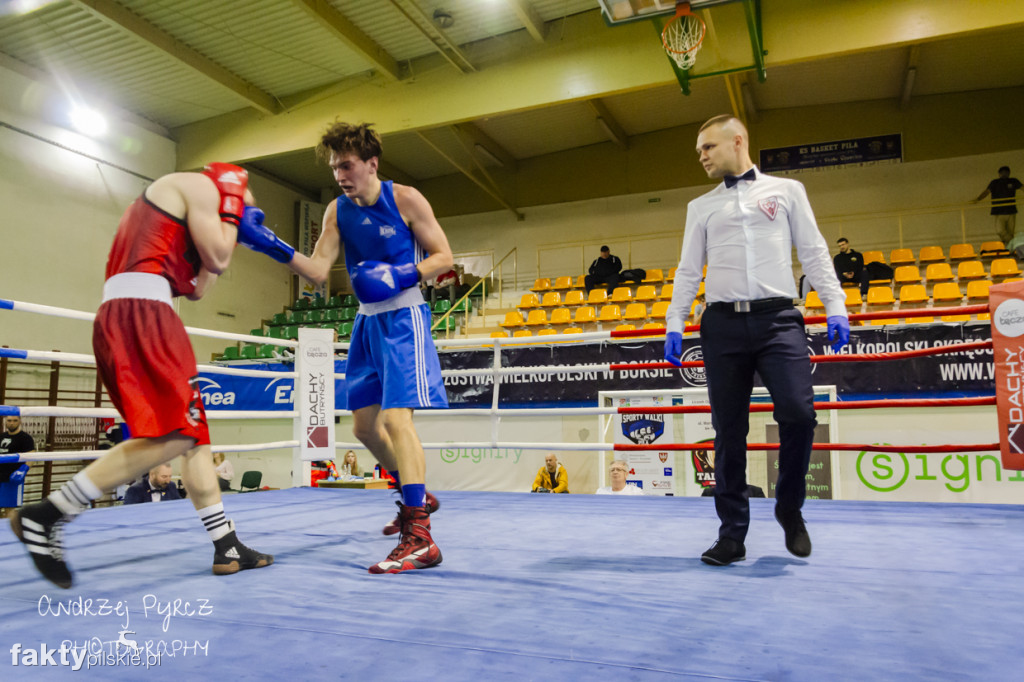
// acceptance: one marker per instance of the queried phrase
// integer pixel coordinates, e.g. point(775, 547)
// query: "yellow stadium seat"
point(562, 283)
point(813, 301)
point(621, 295)
point(901, 257)
point(537, 318)
point(873, 257)
point(994, 246)
point(659, 309)
point(666, 292)
point(584, 315)
point(522, 332)
point(653, 325)
point(610, 313)
point(541, 284)
point(700, 289)
point(1003, 269)
point(561, 316)
point(970, 269)
point(853, 299)
point(907, 274)
point(654, 275)
point(597, 297)
point(670, 275)
point(513, 318)
point(573, 330)
point(552, 299)
point(546, 332)
point(635, 311)
point(625, 328)
point(959, 252)
point(499, 335)
point(938, 272)
point(911, 296)
point(581, 282)
point(947, 294)
point(529, 301)
point(880, 296)
point(647, 292)
point(977, 291)
point(931, 254)
point(573, 298)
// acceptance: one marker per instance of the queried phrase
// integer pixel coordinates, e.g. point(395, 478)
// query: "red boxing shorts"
point(147, 365)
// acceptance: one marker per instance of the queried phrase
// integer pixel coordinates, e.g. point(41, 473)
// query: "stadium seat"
point(513, 318)
point(993, 248)
point(854, 300)
point(625, 328)
point(573, 298)
point(561, 316)
point(572, 330)
point(541, 284)
point(250, 351)
point(813, 302)
point(654, 275)
point(1003, 269)
point(537, 318)
point(666, 292)
point(647, 292)
point(635, 311)
point(907, 274)
point(521, 332)
point(279, 319)
point(349, 313)
point(959, 252)
point(334, 302)
point(499, 335)
point(931, 254)
point(315, 316)
point(610, 313)
point(581, 282)
point(880, 298)
point(977, 291)
point(899, 257)
point(597, 297)
point(301, 304)
point(562, 283)
point(584, 315)
point(230, 353)
point(529, 301)
point(670, 276)
point(947, 294)
point(345, 330)
point(970, 269)
point(552, 299)
point(873, 257)
point(256, 332)
point(349, 300)
point(659, 309)
point(938, 272)
point(913, 296)
point(546, 332)
point(653, 325)
point(621, 295)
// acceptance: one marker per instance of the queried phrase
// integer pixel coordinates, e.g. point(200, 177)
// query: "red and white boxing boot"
point(416, 548)
point(395, 525)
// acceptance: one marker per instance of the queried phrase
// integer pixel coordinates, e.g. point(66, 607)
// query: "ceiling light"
point(443, 18)
point(88, 121)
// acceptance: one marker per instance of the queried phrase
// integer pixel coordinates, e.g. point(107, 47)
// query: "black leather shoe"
point(798, 542)
point(723, 552)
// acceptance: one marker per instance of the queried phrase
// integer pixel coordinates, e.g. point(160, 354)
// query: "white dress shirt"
point(746, 234)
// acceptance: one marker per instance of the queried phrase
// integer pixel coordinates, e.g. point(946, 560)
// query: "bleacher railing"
point(462, 305)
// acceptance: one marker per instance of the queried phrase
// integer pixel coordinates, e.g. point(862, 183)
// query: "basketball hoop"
point(682, 36)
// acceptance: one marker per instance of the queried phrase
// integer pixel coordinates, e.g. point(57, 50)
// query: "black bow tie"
point(731, 180)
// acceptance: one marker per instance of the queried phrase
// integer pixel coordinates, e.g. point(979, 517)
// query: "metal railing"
point(463, 305)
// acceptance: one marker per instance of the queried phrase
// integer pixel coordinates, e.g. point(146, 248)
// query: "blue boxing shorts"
point(392, 361)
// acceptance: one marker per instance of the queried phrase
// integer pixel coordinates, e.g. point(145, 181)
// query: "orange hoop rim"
point(683, 10)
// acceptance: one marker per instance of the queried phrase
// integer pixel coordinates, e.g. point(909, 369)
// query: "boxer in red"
point(174, 240)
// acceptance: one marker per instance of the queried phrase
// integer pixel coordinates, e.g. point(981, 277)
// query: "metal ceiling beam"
point(391, 172)
point(440, 41)
point(471, 132)
point(340, 26)
point(486, 187)
point(607, 121)
point(120, 17)
point(909, 76)
point(528, 14)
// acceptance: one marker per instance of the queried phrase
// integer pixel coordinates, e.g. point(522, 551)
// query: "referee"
point(745, 230)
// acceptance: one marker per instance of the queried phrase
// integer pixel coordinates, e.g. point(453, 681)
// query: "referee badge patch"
point(770, 206)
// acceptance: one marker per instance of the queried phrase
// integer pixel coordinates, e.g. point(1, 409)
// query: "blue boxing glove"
point(673, 348)
point(375, 281)
point(838, 331)
point(253, 234)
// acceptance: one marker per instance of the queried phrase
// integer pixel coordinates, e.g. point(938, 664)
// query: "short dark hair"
point(1004, 168)
point(605, 249)
point(842, 239)
point(346, 138)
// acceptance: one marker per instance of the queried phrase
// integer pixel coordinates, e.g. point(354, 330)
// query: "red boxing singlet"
point(150, 240)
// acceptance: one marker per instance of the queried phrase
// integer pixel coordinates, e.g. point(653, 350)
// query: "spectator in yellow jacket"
point(552, 477)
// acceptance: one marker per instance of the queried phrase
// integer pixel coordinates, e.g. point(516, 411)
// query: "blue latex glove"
point(838, 331)
point(375, 281)
point(252, 233)
point(673, 348)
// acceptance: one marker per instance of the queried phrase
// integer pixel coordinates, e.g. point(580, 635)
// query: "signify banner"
point(856, 152)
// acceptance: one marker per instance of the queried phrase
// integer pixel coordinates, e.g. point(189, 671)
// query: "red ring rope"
point(847, 447)
point(848, 405)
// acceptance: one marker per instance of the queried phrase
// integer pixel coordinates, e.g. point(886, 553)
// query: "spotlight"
point(88, 121)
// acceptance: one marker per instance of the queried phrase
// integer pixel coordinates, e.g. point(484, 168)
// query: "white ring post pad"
point(1006, 305)
point(314, 394)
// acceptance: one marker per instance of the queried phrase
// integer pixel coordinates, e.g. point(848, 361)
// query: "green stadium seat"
point(349, 301)
point(230, 353)
point(315, 316)
point(334, 302)
point(301, 304)
point(319, 303)
point(442, 306)
point(256, 332)
point(349, 313)
point(267, 351)
point(332, 315)
point(275, 332)
point(279, 319)
point(345, 330)
point(249, 351)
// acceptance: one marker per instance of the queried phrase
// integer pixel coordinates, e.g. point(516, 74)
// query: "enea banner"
point(229, 392)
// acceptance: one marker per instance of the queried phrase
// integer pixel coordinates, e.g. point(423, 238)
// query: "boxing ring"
point(532, 586)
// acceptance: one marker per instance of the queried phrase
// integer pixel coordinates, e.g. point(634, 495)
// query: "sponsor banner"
point(311, 220)
point(1006, 301)
point(963, 372)
point(228, 392)
point(651, 471)
point(314, 388)
point(835, 154)
point(820, 484)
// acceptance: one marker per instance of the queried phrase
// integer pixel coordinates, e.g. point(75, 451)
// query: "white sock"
point(75, 495)
point(216, 524)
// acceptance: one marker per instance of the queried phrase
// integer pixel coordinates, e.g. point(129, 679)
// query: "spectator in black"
point(13, 441)
point(154, 487)
point(604, 270)
point(849, 266)
point(1004, 203)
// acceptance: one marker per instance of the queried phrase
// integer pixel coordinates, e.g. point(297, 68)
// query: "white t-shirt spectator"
point(630, 489)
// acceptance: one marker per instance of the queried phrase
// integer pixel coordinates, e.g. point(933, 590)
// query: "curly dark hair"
point(346, 138)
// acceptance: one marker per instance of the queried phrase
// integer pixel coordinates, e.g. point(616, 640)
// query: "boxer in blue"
point(392, 241)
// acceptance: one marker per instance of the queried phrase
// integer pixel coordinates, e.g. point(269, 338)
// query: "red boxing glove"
point(231, 182)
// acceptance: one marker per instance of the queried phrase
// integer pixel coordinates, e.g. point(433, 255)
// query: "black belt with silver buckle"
point(759, 306)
